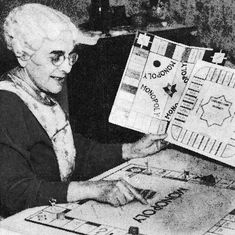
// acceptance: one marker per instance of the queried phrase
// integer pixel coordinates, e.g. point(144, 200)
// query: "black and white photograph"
point(117, 117)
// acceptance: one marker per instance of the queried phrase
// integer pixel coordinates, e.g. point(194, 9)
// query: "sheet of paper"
point(204, 119)
point(155, 76)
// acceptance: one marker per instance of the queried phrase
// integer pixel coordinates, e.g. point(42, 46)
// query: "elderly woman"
point(40, 159)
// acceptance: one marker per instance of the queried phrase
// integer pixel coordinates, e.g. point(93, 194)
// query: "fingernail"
point(144, 201)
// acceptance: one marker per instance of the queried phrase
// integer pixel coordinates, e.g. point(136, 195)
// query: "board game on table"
point(180, 202)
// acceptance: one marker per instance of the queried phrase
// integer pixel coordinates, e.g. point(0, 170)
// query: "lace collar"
point(18, 75)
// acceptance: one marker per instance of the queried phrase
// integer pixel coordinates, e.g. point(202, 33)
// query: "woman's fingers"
point(125, 194)
point(152, 149)
point(148, 140)
point(134, 192)
point(118, 193)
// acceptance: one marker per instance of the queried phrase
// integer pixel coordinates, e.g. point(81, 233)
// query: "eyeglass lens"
point(59, 60)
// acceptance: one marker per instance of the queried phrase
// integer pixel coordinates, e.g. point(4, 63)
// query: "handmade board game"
point(154, 79)
point(204, 119)
point(179, 202)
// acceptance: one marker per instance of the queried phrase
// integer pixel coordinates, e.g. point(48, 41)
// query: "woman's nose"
point(65, 66)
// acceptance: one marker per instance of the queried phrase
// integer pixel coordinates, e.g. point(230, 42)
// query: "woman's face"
point(42, 68)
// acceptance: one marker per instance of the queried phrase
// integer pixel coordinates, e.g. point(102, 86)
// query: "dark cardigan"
point(29, 173)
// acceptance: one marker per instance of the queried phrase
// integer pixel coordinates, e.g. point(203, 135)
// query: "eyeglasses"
point(58, 59)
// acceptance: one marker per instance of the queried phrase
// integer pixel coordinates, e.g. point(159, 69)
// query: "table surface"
point(172, 159)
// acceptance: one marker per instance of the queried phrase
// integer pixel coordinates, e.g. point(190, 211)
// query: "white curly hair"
point(28, 25)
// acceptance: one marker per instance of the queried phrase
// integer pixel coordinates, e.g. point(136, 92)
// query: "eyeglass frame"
point(64, 58)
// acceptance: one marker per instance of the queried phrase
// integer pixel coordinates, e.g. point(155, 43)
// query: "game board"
point(226, 226)
point(179, 203)
point(204, 119)
point(155, 76)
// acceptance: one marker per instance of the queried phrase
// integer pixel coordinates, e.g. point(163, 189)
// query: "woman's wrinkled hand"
point(116, 192)
point(147, 145)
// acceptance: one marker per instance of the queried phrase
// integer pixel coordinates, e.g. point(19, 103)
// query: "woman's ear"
point(23, 59)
